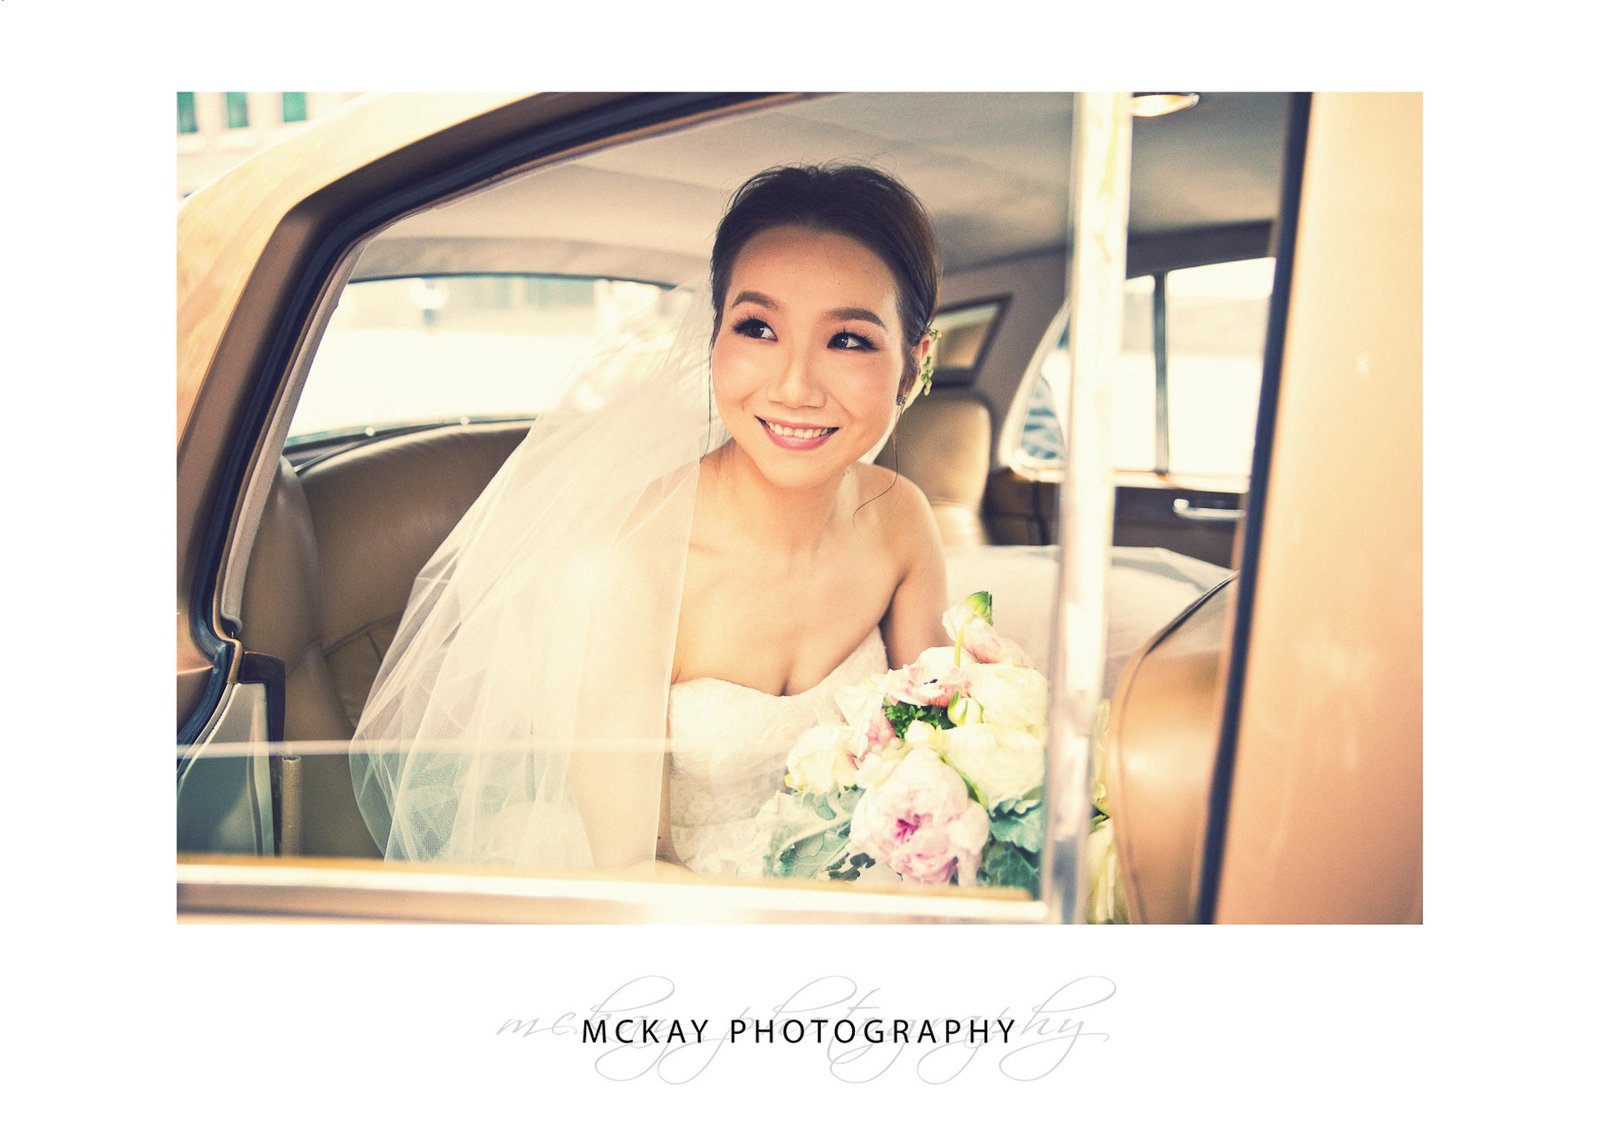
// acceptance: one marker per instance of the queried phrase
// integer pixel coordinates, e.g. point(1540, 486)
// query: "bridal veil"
point(519, 715)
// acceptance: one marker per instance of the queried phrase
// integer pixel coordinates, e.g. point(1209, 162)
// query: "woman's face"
point(809, 355)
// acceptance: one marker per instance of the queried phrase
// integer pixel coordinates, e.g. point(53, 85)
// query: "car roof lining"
point(991, 167)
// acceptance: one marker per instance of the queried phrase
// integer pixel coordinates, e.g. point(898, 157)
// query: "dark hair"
point(858, 202)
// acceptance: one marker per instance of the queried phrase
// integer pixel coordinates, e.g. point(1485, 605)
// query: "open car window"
point(454, 348)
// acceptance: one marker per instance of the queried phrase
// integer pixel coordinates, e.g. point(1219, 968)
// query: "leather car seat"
point(942, 445)
point(380, 512)
point(334, 559)
point(281, 615)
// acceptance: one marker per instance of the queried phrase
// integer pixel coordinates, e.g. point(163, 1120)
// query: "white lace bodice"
point(730, 745)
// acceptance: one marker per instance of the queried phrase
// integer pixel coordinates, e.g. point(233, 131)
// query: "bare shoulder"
point(897, 509)
point(902, 517)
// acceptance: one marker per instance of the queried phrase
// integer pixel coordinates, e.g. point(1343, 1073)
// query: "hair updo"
point(861, 203)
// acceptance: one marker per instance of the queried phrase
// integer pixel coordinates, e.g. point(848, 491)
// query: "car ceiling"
point(992, 168)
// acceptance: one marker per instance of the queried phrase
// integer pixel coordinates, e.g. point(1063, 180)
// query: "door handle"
point(1185, 510)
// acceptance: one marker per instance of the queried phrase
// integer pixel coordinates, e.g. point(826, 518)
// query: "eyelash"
point(866, 343)
point(753, 327)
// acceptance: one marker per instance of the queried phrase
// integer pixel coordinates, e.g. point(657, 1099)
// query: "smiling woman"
point(771, 565)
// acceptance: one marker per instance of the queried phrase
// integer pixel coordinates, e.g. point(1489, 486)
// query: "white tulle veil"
point(519, 715)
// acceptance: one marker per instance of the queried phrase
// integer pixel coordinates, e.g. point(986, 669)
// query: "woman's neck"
point(789, 522)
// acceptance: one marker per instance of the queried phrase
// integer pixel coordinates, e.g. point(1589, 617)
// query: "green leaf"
point(902, 714)
point(1023, 830)
point(849, 866)
point(1006, 866)
point(1020, 805)
point(811, 833)
point(843, 802)
point(810, 857)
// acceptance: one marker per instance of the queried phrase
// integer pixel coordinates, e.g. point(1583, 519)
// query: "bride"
point(714, 557)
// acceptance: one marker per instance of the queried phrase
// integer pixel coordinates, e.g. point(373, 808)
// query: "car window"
point(1215, 333)
point(964, 334)
point(455, 348)
point(1133, 391)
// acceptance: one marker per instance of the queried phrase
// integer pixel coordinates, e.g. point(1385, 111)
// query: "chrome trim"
point(1184, 510)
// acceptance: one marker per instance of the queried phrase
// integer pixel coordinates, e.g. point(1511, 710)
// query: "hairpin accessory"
point(925, 370)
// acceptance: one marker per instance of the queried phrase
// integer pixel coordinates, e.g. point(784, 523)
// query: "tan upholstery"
point(942, 445)
point(1019, 510)
point(330, 572)
point(379, 513)
point(280, 613)
point(1161, 752)
point(281, 616)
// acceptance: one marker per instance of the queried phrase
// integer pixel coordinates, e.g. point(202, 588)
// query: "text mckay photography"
point(853, 1032)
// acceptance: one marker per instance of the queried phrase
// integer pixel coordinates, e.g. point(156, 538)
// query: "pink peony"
point(932, 680)
point(876, 736)
point(920, 822)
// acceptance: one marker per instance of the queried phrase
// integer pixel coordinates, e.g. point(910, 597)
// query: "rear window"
point(1202, 409)
point(456, 348)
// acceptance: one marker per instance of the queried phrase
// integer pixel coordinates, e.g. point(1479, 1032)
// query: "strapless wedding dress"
point(730, 745)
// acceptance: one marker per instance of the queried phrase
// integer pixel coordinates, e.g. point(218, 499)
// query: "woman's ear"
point(914, 377)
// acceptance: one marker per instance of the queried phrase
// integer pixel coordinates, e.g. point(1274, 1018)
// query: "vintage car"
point(1175, 427)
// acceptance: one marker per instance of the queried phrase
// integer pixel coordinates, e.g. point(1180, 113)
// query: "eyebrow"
point(852, 313)
point(844, 313)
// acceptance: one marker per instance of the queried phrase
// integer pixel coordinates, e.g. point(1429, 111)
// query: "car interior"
point(356, 499)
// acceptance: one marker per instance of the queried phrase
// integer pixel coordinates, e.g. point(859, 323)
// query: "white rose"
point(1000, 762)
point(858, 703)
point(921, 735)
point(820, 761)
point(1010, 695)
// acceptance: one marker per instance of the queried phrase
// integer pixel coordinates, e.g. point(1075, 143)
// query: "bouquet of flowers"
point(936, 775)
